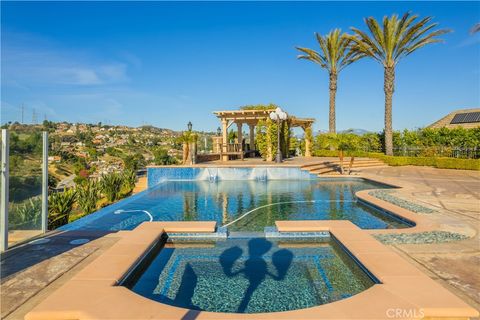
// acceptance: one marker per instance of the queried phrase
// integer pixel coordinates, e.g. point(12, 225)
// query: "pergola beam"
point(251, 118)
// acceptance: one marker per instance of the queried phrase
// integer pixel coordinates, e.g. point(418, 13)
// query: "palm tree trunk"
point(340, 156)
point(350, 166)
point(333, 93)
point(388, 87)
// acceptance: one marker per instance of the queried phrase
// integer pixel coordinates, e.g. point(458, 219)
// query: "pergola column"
point(240, 139)
point(224, 139)
point(239, 133)
point(252, 136)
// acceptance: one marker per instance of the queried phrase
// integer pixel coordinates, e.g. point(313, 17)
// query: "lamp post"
point(278, 115)
point(189, 126)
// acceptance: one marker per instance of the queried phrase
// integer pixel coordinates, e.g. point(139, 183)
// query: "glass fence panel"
point(25, 186)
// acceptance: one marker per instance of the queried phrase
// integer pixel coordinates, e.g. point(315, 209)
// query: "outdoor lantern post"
point(189, 126)
point(278, 115)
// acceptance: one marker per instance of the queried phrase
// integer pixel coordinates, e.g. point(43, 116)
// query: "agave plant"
point(334, 56)
point(26, 214)
point(129, 180)
point(60, 205)
point(111, 185)
point(387, 44)
point(88, 195)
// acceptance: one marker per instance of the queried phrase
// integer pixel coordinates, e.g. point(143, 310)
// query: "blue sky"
point(165, 63)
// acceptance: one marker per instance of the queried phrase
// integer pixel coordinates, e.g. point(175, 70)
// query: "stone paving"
point(455, 195)
point(32, 272)
point(29, 270)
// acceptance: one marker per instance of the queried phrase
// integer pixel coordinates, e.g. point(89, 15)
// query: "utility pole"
point(23, 110)
point(34, 116)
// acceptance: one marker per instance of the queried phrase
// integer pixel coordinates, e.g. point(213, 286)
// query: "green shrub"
point(267, 136)
point(334, 153)
point(162, 158)
point(437, 162)
point(88, 195)
point(129, 179)
point(25, 215)
point(111, 185)
point(422, 142)
point(60, 205)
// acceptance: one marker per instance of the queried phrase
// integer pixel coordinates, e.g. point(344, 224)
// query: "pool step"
point(333, 166)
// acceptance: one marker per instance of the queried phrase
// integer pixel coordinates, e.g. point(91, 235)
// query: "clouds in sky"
point(30, 65)
point(46, 77)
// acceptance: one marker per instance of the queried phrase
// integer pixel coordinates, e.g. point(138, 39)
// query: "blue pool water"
point(249, 275)
point(246, 205)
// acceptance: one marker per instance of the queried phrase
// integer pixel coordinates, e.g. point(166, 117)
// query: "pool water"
point(250, 275)
point(247, 205)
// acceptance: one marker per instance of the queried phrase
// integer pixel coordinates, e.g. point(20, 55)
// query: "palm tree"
point(388, 44)
point(335, 54)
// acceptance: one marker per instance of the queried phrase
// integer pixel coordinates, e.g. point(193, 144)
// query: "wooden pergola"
point(251, 118)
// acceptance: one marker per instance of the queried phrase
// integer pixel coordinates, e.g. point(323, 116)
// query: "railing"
point(229, 147)
point(434, 151)
point(23, 186)
point(450, 152)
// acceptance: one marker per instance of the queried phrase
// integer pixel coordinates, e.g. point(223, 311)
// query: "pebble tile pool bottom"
point(243, 205)
point(249, 275)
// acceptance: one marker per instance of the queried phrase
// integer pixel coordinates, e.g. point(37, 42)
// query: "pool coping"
point(420, 223)
point(404, 291)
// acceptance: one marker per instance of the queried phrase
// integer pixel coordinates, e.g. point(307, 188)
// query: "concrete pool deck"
point(404, 291)
point(30, 273)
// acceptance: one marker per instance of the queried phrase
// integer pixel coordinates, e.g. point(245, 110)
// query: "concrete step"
point(140, 185)
point(332, 166)
point(337, 164)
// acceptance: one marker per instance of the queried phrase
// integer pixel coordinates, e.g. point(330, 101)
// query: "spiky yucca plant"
point(389, 42)
point(60, 205)
point(88, 195)
point(129, 180)
point(111, 185)
point(334, 56)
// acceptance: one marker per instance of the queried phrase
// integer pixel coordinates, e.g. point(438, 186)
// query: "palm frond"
point(395, 38)
point(335, 51)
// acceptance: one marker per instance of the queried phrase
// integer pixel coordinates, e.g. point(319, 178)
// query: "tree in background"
point(334, 56)
point(162, 158)
point(387, 44)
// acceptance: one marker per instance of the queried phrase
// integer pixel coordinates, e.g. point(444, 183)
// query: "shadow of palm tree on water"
point(255, 268)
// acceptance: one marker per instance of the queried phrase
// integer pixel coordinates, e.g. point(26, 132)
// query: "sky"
point(167, 63)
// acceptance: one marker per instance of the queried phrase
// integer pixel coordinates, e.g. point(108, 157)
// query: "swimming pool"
point(249, 275)
point(243, 205)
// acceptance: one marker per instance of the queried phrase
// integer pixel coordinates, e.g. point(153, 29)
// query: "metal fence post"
point(4, 191)
point(45, 182)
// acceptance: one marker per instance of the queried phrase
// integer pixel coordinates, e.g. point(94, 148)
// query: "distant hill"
point(359, 132)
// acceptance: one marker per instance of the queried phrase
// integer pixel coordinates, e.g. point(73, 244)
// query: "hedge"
point(437, 162)
point(334, 153)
